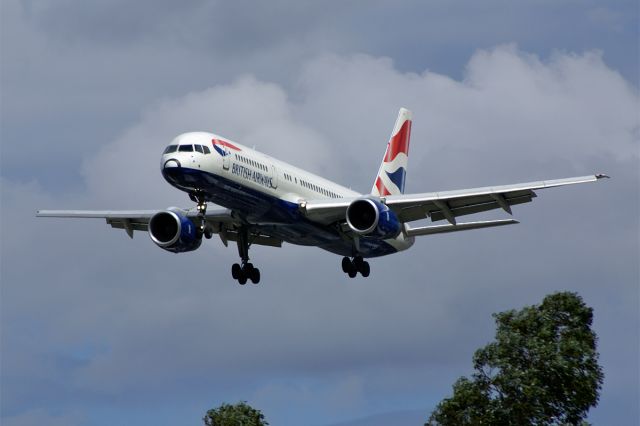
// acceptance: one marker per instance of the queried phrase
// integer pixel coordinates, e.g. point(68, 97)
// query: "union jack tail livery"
point(393, 170)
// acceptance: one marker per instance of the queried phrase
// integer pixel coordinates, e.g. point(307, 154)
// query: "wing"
point(220, 221)
point(129, 220)
point(451, 204)
point(446, 205)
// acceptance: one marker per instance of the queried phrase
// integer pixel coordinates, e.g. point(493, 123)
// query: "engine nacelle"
point(371, 218)
point(174, 232)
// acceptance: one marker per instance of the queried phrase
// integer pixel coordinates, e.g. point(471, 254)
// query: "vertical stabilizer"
point(393, 170)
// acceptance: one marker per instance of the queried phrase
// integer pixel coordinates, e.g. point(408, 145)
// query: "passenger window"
point(186, 148)
point(170, 148)
point(198, 148)
point(206, 149)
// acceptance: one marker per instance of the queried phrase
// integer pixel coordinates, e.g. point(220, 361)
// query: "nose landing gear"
point(352, 267)
point(201, 207)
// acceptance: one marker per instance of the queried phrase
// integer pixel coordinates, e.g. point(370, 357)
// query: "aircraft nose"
point(172, 164)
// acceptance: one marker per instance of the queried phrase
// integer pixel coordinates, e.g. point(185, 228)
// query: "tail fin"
point(393, 170)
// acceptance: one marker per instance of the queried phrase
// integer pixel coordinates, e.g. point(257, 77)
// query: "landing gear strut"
point(201, 206)
point(352, 267)
point(245, 270)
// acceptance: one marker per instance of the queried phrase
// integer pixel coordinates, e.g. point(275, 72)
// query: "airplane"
point(267, 202)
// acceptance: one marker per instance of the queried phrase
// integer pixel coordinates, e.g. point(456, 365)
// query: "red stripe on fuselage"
point(223, 143)
point(399, 142)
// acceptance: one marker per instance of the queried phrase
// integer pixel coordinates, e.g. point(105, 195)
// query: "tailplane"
point(393, 170)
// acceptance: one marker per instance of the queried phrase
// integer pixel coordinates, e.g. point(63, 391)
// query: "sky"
point(98, 329)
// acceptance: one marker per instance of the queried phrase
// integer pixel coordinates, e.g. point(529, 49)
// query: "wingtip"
point(602, 176)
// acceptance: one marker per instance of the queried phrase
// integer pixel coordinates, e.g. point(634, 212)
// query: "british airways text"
point(252, 175)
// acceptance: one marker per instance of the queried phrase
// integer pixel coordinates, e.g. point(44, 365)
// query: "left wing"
point(220, 221)
point(447, 204)
point(451, 204)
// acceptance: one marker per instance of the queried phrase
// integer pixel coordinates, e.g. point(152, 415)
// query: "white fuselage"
point(231, 172)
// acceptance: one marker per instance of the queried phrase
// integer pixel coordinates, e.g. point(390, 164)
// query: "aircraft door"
point(274, 177)
point(226, 161)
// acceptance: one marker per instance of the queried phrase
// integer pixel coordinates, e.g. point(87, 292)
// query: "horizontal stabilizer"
point(440, 229)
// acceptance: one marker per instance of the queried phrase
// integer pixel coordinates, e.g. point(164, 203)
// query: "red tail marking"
point(399, 142)
point(382, 190)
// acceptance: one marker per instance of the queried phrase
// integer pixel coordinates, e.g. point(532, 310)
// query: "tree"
point(541, 369)
point(240, 414)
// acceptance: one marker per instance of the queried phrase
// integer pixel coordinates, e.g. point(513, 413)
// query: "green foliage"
point(542, 369)
point(240, 414)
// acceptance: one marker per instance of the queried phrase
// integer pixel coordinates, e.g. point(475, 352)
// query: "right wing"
point(129, 220)
point(220, 221)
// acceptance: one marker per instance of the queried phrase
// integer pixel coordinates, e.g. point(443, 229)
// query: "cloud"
point(108, 319)
point(40, 417)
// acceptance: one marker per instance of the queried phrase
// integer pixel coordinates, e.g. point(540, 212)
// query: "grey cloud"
point(75, 73)
point(36, 417)
point(105, 317)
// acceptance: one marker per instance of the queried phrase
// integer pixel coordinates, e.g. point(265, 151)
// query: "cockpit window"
point(198, 148)
point(186, 148)
point(206, 149)
point(170, 148)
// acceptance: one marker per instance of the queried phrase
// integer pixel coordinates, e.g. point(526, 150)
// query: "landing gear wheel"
point(352, 267)
point(245, 270)
point(207, 233)
point(236, 271)
point(346, 264)
point(365, 270)
point(255, 275)
point(357, 262)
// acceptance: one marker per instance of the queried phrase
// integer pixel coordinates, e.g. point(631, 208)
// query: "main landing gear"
point(245, 270)
point(352, 267)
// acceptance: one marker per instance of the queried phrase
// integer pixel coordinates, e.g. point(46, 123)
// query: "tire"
point(235, 271)
point(242, 279)
point(346, 264)
point(358, 262)
point(352, 273)
point(248, 267)
point(255, 275)
point(366, 269)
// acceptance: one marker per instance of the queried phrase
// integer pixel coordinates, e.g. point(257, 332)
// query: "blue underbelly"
point(276, 217)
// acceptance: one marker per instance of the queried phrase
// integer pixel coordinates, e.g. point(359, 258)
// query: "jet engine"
point(371, 218)
point(174, 232)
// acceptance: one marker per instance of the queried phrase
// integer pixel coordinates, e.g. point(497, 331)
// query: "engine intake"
point(174, 232)
point(371, 218)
